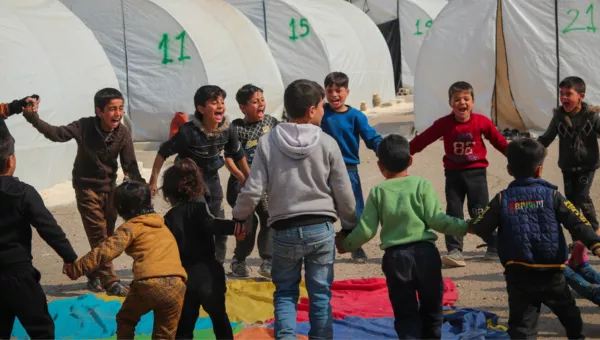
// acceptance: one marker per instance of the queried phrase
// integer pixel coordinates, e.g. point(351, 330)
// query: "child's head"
point(252, 102)
point(133, 199)
point(461, 97)
point(109, 108)
point(525, 158)
point(394, 155)
point(336, 89)
point(209, 101)
point(572, 92)
point(182, 182)
point(303, 102)
point(8, 161)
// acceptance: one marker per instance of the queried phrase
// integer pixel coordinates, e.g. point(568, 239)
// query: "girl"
point(194, 228)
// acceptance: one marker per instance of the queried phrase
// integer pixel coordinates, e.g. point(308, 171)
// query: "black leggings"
point(214, 198)
point(205, 287)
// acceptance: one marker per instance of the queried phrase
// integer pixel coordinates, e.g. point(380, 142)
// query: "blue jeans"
point(357, 190)
point(314, 245)
point(581, 281)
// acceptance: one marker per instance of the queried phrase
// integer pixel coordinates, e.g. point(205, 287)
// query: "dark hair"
point(133, 199)
point(104, 96)
point(460, 86)
point(7, 148)
point(246, 92)
point(300, 95)
point(206, 93)
point(182, 182)
point(337, 78)
point(524, 156)
point(394, 153)
point(574, 83)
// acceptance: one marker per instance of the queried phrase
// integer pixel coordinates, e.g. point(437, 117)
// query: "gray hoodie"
point(302, 170)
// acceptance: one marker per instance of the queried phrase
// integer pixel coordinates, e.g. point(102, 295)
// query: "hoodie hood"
point(152, 220)
point(297, 141)
point(11, 186)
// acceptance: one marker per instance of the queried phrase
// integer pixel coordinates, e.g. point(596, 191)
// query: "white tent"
point(163, 50)
point(513, 53)
point(312, 38)
point(48, 51)
point(404, 24)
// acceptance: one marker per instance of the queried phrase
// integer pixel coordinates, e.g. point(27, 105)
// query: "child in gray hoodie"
point(302, 170)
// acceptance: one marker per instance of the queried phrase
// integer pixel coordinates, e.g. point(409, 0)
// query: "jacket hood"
point(10, 185)
point(152, 220)
point(197, 121)
point(297, 141)
point(585, 107)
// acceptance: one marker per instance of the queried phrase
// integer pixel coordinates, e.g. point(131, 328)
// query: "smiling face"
point(571, 99)
point(213, 111)
point(462, 104)
point(254, 109)
point(336, 97)
point(111, 115)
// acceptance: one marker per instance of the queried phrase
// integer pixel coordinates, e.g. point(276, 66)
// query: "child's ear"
point(242, 108)
point(11, 164)
point(538, 171)
point(310, 113)
point(582, 96)
point(380, 166)
point(98, 111)
point(410, 161)
point(200, 108)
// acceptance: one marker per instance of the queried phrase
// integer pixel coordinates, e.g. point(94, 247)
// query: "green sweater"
point(407, 208)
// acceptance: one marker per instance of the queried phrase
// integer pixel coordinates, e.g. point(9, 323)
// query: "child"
point(531, 243)
point(347, 125)
point(249, 129)
point(203, 139)
point(158, 278)
point(578, 127)
point(193, 226)
point(465, 162)
point(581, 277)
point(303, 172)
point(101, 140)
point(407, 208)
point(21, 294)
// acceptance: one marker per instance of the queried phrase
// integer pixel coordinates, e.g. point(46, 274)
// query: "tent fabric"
point(48, 51)
point(164, 50)
point(312, 38)
point(517, 56)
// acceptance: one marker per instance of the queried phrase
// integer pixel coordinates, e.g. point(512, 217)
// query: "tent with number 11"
point(514, 53)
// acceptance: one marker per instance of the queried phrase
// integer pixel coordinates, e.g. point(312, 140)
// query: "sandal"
point(94, 285)
point(117, 289)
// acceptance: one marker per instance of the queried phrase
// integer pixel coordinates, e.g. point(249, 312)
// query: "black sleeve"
point(216, 226)
point(233, 148)
point(3, 129)
point(171, 223)
point(41, 219)
point(177, 144)
point(579, 227)
point(485, 224)
point(548, 137)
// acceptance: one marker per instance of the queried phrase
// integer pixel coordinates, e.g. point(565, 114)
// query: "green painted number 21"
point(418, 24)
point(589, 12)
point(303, 24)
point(164, 46)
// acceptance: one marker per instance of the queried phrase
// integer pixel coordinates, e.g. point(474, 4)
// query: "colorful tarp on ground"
point(361, 309)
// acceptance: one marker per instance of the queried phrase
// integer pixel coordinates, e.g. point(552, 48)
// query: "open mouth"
point(462, 109)
point(335, 102)
point(115, 121)
point(219, 115)
point(260, 111)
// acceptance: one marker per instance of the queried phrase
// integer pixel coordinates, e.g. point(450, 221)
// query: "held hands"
point(30, 104)
point(69, 271)
point(339, 239)
point(240, 231)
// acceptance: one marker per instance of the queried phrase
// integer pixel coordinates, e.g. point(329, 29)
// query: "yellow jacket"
point(147, 240)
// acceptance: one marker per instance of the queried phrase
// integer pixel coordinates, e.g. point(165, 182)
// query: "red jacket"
point(463, 144)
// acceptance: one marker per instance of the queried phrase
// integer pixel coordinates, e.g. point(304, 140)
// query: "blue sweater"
point(347, 128)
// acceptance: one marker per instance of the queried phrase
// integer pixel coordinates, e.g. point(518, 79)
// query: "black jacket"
point(23, 207)
point(194, 228)
point(578, 138)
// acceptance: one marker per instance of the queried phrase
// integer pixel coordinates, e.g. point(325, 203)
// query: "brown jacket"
point(147, 240)
point(95, 165)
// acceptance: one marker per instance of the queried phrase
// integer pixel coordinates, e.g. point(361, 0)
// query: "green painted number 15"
point(164, 46)
point(303, 24)
point(589, 12)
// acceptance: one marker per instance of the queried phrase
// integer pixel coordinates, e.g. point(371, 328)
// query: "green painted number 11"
point(164, 46)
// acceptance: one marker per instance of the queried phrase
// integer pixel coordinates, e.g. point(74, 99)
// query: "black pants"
point(214, 198)
point(261, 215)
point(206, 288)
point(527, 290)
point(577, 190)
point(472, 185)
point(22, 296)
point(409, 269)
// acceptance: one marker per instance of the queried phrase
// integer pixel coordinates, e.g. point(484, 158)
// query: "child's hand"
point(31, 104)
point(153, 187)
point(241, 231)
point(69, 271)
point(339, 239)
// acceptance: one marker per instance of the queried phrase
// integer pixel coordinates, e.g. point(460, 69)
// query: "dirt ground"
point(481, 284)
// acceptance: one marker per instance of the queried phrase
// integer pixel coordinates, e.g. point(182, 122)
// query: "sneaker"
point(454, 259)
point(117, 289)
point(239, 268)
point(359, 256)
point(265, 269)
point(491, 255)
point(94, 285)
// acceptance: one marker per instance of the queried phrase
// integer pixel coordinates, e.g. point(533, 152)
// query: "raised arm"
point(495, 137)
point(430, 135)
point(579, 227)
point(548, 137)
point(367, 133)
point(58, 134)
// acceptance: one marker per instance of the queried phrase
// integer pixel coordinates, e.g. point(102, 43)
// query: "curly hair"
point(182, 182)
point(133, 199)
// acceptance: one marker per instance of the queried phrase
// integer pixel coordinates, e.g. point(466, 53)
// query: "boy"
point(465, 162)
point(203, 139)
point(531, 243)
point(303, 172)
point(21, 294)
point(347, 125)
point(101, 140)
point(578, 126)
point(407, 208)
point(249, 129)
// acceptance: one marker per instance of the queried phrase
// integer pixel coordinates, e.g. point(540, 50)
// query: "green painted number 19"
point(164, 46)
point(303, 24)
point(418, 24)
